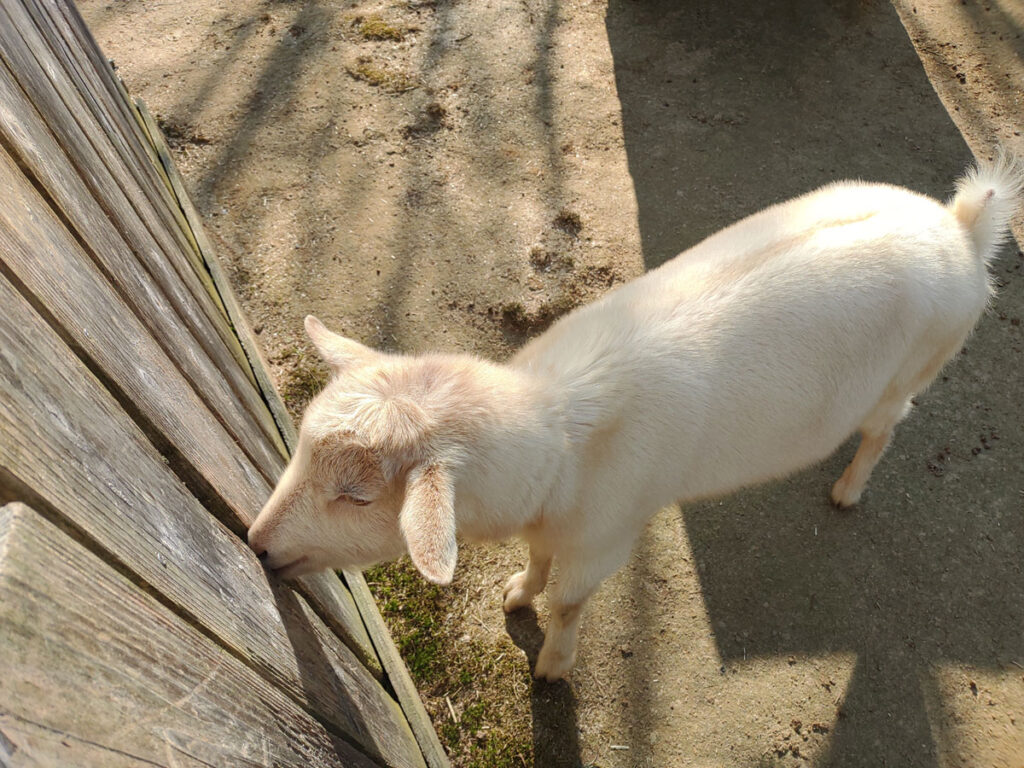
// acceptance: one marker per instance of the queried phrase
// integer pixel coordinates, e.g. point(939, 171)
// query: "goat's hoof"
point(516, 594)
point(553, 666)
point(841, 497)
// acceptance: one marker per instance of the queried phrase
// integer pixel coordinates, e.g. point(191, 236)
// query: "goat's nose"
point(262, 555)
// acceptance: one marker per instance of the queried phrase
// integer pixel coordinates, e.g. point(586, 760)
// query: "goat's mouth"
point(294, 568)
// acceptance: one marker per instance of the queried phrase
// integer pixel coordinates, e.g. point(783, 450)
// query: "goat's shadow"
point(729, 106)
point(553, 705)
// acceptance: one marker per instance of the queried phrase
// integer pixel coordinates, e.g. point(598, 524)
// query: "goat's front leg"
point(558, 653)
point(526, 585)
point(578, 578)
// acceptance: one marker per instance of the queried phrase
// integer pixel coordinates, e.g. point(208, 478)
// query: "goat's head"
point(371, 477)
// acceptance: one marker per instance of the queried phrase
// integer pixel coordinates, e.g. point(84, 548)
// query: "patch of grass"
point(490, 728)
point(376, 28)
point(380, 77)
point(301, 383)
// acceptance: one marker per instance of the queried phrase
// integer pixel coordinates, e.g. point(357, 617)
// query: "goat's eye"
point(355, 501)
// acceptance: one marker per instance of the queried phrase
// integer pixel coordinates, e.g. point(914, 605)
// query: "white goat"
point(749, 356)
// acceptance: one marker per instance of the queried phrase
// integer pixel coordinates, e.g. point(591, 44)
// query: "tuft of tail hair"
point(987, 196)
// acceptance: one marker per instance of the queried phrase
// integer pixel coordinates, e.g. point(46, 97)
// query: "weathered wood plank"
point(68, 446)
point(82, 38)
point(84, 64)
point(126, 205)
point(406, 690)
point(173, 411)
point(49, 264)
point(86, 104)
point(72, 26)
point(27, 744)
point(92, 658)
point(91, 77)
point(170, 313)
point(332, 599)
point(329, 596)
point(149, 129)
point(234, 309)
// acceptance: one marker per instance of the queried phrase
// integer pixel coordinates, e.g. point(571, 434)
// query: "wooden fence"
point(139, 436)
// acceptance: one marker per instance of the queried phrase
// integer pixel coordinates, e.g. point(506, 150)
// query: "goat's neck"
point(507, 431)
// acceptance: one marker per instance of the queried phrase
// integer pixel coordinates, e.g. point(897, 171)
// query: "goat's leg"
point(877, 429)
point(522, 587)
point(848, 488)
point(578, 578)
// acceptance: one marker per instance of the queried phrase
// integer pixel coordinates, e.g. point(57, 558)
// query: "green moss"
point(490, 730)
point(376, 28)
point(380, 77)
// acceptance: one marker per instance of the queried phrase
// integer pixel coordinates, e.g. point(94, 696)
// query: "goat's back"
point(762, 348)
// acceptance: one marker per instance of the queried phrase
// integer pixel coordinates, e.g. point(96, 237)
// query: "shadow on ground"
point(727, 107)
point(730, 106)
point(553, 705)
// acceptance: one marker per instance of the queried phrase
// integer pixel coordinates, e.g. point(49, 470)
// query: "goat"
point(752, 355)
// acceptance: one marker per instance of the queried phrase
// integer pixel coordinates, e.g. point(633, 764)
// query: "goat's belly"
point(785, 457)
point(755, 428)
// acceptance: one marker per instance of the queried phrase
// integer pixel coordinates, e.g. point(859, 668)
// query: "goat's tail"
point(986, 198)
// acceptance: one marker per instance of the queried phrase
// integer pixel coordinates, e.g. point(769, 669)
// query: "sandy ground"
point(447, 174)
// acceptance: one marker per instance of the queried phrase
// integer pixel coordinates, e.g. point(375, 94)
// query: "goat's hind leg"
point(876, 430)
point(849, 487)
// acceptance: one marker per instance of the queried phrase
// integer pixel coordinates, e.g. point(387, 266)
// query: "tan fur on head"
point(367, 476)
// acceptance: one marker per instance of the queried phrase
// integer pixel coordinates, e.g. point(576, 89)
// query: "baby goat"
point(749, 356)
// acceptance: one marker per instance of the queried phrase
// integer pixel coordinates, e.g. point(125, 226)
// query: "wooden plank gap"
point(154, 433)
point(162, 161)
point(82, 86)
point(80, 597)
point(323, 597)
point(132, 265)
point(12, 489)
point(64, 107)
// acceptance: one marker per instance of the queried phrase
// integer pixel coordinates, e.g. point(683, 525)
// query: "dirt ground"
point(454, 174)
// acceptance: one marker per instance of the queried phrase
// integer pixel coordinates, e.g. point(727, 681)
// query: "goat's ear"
point(427, 521)
point(337, 351)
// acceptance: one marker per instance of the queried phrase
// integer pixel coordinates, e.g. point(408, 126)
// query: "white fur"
point(750, 356)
